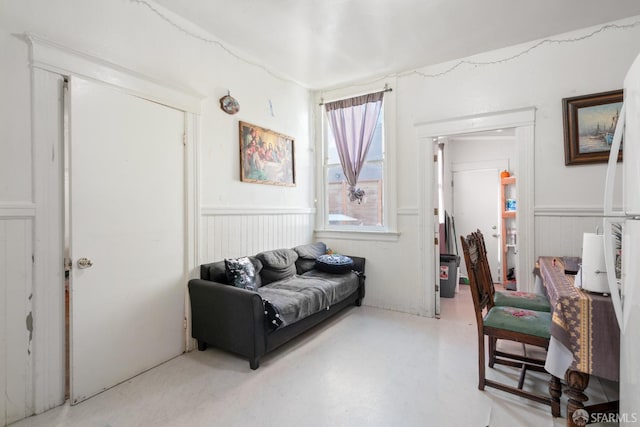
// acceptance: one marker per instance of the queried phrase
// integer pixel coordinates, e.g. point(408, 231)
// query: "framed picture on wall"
point(589, 124)
point(266, 157)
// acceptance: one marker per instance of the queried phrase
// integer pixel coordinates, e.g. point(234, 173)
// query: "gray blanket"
point(297, 297)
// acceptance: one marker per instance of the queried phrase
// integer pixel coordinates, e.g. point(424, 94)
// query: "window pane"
point(344, 212)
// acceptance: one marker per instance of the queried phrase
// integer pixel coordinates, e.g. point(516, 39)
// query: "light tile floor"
point(365, 367)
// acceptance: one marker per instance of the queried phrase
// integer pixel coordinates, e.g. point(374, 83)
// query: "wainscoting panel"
point(230, 233)
point(16, 322)
point(560, 232)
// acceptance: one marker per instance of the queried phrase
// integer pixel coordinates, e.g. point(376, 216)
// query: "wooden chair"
point(507, 323)
point(518, 299)
point(528, 300)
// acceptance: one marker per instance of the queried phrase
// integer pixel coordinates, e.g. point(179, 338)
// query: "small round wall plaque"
point(229, 104)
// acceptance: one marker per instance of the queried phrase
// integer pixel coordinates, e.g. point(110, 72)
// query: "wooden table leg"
point(555, 390)
point(577, 382)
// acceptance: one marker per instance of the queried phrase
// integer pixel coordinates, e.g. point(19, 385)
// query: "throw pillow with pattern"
point(241, 273)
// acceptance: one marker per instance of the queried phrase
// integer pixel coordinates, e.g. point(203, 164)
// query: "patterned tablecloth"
point(584, 322)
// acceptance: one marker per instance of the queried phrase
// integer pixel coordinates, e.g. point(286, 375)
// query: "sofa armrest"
point(227, 317)
point(358, 263)
point(358, 268)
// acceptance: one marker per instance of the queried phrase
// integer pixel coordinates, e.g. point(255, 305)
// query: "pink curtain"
point(353, 122)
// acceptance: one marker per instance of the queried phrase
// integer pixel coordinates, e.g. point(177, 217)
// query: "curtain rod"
point(385, 89)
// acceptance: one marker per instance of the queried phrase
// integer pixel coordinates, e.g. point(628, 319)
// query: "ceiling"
point(325, 43)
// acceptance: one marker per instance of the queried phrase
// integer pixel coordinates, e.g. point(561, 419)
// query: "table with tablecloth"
point(585, 338)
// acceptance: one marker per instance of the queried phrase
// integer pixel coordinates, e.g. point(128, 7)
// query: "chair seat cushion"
point(519, 299)
point(530, 322)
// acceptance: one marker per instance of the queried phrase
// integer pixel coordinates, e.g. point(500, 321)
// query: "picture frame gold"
point(266, 157)
point(589, 123)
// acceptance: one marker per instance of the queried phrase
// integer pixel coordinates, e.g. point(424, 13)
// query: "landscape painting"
point(589, 125)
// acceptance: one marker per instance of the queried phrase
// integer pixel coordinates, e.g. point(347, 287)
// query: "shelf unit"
point(507, 188)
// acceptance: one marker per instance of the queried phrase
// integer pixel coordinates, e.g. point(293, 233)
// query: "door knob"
point(84, 263)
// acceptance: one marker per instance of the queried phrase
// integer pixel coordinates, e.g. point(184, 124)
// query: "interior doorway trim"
point(60, 59)
point(523, 121)
point(50, 62)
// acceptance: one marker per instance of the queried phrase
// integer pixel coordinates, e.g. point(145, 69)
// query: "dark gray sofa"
point(236, 320)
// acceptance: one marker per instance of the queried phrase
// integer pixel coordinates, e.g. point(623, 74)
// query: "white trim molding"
point(370, 236)
point(50, 62)
point(523, 121)
point(13, 210)
point(389, 210)
point(570, 211)
point(483, 122)
point(409, 211)
point(54, 57)
point(253, 211)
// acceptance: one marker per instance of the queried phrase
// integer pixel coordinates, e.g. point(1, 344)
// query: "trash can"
point(448, 274)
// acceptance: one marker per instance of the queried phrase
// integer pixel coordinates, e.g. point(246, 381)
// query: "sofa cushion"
point(241, 273)
point(278, 259)
point(305, 265)
point(307, 255)
point(297, 297)
point(334, 263)
point(311, 251)
point(277, 265)
point(214, 271)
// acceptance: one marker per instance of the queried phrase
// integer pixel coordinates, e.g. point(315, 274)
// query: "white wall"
point(540, 79)
point(480, 151)
point(130, 35)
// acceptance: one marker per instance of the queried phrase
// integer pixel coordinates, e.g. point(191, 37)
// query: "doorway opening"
point(470, 196)
point(49, 318)
point(522, 122)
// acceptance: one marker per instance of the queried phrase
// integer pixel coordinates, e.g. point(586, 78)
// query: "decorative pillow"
point(217, 271)
point(241, 273)
point(334, 263)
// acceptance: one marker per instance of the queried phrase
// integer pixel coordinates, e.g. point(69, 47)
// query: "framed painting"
point(266, 157)
point(589, 124)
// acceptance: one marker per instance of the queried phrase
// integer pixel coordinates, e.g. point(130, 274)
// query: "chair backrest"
point(481, 296)
point(484, 261)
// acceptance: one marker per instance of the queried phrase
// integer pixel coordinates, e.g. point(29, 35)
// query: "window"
point(374, 218)
point(340, 211)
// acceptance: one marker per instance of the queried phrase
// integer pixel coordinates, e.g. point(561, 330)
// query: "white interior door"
point(476, 205)
point(127, 206)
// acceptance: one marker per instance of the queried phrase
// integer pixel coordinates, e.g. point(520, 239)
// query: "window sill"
point(368, 235)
